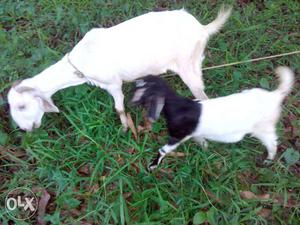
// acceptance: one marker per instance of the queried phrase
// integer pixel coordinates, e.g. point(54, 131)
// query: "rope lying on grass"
point(246, 61)
point(252, 60)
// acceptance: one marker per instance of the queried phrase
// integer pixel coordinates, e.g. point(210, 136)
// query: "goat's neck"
point(174, 104)
point(56, 77)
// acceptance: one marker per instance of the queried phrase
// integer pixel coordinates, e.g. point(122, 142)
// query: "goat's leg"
point(118, 96)
point(203, 143)
point(269, 139)
point(173, 143)
point(162, 152)
point(194, 81)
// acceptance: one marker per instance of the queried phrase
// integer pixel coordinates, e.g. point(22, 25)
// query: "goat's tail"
point(217, 24)
point(286, 79)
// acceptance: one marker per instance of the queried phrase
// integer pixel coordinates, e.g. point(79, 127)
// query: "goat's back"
point(148, 44)
point(239, 113)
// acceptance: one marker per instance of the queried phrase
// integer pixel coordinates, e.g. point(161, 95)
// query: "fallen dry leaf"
point(85, 223)
point(135, 167)
point(167, 171)
point(74, 213)
point(246, 177)
point(290, 203)
point(127, 195)
point(251, 195)
point(132, 151)
point(243, 2)
point(264, 196)
point(42, 206)
point(147, 123)
point(140, 128)
point(215, 198)
point(84, 170)
point(264, 213)
point(120, 160)
point(176, 154)
point(131, 126)
point(248, 195)
point(218, 165)
point(111, 186)
point(7, 153)
point(94, 188)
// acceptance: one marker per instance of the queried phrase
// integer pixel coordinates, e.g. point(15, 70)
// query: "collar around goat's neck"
point(77, 71)
point(61, 75)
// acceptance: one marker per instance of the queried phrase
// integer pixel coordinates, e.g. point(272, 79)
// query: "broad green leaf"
point(264, 83)
point(291, 156)
point(72, 202)
point(199, 217)
point(237, 75)
point(223, 45)
point(212, 216)
point(3, 138)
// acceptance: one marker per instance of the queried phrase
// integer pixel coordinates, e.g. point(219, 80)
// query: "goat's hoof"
point(204, 144)
point(268, 162)
point(151, 167)
point(124, 129)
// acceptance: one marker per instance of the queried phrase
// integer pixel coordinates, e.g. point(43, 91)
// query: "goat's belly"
point(224, 132)
point(128, 77)
point(135, 71)
point(227, 138)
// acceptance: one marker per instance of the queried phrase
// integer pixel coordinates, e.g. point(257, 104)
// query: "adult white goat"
point(148, 44)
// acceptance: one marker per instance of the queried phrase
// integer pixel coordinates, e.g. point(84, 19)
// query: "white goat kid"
point(148, 44)
point(224, 119)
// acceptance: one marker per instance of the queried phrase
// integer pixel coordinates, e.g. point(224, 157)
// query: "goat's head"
point(151, 92)
point(28, 105)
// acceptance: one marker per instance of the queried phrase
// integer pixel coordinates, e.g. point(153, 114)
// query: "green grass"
point(96, 174)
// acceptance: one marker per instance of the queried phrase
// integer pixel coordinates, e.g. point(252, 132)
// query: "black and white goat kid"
point(225, 119)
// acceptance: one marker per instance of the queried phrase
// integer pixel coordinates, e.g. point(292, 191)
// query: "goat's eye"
point(22, 107)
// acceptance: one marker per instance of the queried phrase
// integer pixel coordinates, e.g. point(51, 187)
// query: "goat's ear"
point(47, 104)
point(138, 95)
point(155, 106)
